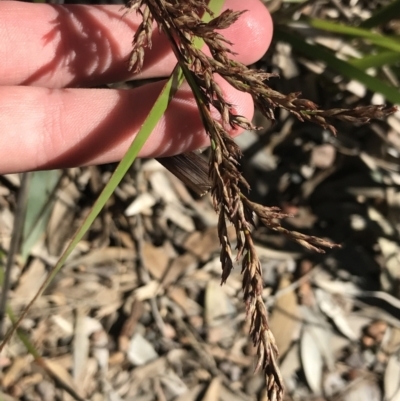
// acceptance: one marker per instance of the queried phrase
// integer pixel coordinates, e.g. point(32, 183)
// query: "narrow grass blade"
point(317, 52)
point(375, 38)
point(22, 336)
point(383, 15)
point(158, 110)
point(14, 245)
point(30, 347)
point(376, 60)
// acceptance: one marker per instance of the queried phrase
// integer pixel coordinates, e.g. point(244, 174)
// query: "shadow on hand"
point(122, 121)
point(88, 48)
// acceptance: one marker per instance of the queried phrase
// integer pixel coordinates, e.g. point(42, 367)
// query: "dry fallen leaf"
point(392, 378)
point(213, 390)
point(140, 350)
point(285, 317)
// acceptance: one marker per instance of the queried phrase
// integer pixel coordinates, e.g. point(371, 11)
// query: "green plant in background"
point(228, 186)
point(187, 32)
point(377, 50)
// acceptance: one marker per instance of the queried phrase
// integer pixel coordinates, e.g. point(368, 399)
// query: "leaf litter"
point(138, 313)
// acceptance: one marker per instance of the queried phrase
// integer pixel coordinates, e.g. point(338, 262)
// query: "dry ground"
point(138, 312)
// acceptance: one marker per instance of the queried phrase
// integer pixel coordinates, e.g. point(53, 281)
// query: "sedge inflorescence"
point(182, 22)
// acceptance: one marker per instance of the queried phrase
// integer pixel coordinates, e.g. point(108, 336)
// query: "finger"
point(76, 45)
point(53, 128)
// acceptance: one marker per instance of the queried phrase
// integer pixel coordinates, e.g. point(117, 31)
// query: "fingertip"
point(175, 134)
point(243, 106)
point(252, 34)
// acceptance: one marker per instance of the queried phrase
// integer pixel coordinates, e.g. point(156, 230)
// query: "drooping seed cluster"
point(181, 22)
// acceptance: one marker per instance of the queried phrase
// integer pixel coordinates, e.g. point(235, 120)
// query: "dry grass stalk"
point(181, 22)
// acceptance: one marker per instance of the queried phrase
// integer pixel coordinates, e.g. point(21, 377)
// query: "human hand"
point(51, 53)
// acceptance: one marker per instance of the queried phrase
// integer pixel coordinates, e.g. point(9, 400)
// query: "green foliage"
point(376, 50)
point(382, 16)
point(39, 200)
point(345, 68)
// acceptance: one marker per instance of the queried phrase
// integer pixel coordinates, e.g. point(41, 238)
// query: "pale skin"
point(49, 54)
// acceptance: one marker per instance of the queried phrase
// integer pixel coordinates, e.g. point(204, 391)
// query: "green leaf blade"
point(318, 52)
point(380, 40)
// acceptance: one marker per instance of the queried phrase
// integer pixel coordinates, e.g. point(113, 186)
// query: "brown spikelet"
point(181, 22)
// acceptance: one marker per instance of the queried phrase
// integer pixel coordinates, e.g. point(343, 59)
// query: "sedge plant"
point(188, 25)
point(181, 22)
